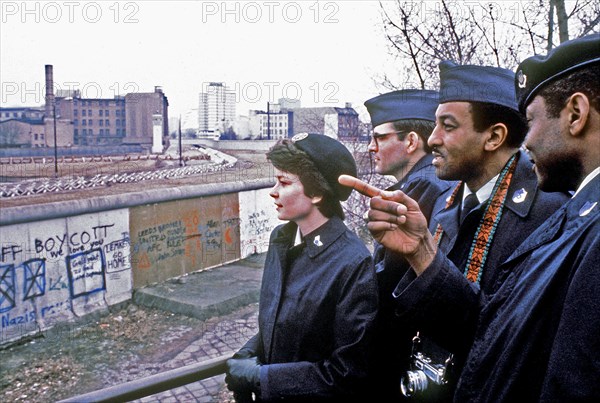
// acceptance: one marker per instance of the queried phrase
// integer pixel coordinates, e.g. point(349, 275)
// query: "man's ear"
point(578, 110)
point(316, 199)
point(496, 136)
point(412, 142)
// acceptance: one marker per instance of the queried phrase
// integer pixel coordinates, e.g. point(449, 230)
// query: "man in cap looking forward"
point(537, 328)
point(478, 223)
point(402, 122)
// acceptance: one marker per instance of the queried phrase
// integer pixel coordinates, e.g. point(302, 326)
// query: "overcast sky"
point(325, 53)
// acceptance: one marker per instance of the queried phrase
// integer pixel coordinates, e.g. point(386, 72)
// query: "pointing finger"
point(360, 186)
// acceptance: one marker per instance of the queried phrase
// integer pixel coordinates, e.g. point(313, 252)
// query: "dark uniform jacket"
point(538, 338)
point(316, 315)
point(433, 301)
point(393, 337)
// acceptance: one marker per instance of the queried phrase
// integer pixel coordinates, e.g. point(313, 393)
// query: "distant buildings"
point(340, 123)
point(22, 127)
point(284, 122)
point(23, 113)
point(139, 110)
point(81, 121)
point(274, 125)
point(216, 110)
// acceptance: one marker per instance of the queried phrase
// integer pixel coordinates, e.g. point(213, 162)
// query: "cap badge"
point(299, 136)
point(519, 196)
point(522, 79)
point(317, 241)
point(586, 208)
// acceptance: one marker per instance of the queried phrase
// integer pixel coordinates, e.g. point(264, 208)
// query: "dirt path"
point(127, 344)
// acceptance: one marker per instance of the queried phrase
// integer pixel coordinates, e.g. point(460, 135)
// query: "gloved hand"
point(243, 375)
point(244, 353)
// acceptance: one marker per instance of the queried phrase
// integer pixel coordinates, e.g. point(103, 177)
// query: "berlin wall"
point(63, 261)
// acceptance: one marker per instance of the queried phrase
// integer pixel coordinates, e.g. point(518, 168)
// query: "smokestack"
point(49, 91)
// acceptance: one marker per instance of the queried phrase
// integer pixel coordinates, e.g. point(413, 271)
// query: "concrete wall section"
point(59, 262)
point(53, 271)
point(258, 217)
point(174, 238)
point(40, 212)
point(246, 145)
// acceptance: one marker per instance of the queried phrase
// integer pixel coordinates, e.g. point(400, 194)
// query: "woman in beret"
point(318, 300)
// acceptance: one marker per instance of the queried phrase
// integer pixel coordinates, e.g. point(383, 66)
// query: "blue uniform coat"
point(538, 337)
point(393, 337)
point(429, 300)
point(441, 299)
point(316, 316)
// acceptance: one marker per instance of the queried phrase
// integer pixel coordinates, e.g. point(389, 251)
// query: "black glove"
point(243, 375)
point(243, 397)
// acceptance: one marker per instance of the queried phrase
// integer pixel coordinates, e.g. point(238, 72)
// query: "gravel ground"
point(126, 344)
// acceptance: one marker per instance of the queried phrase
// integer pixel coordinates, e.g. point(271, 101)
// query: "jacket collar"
point(423, 163)
point(317, 241)
point(523, 187)
point(586, 203)
point(519, 198)
point(520, 195)
point(574, 213)
point(321, 238)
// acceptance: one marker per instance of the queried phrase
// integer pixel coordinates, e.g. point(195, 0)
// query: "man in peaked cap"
point(538, 338)
point(402, 122)
point(476, 225)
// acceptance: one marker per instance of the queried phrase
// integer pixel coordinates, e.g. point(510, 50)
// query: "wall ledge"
point(67, 208)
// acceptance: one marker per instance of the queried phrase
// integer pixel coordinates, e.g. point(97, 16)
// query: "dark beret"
point(331, 158)
point(403, 104)
point(536, 71)
point(469, 83)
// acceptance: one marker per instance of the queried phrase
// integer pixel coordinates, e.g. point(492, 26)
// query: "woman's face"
point(290, 201)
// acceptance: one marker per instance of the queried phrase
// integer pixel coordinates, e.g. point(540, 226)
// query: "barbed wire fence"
point(215, 162)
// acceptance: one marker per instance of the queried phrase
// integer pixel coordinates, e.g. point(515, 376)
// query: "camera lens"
point(413, 383)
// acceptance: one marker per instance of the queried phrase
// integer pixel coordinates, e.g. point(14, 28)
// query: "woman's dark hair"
point(557, 92)
point(422, 127)
point(487, 114)
point(284, 155)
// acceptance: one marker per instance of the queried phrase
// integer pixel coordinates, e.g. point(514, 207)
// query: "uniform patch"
point(519, 196)
point(522, 79)
point(587, 208)
point(317, 241)
point(299, 136)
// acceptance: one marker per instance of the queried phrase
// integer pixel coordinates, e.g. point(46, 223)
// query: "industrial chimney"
point(49, 91)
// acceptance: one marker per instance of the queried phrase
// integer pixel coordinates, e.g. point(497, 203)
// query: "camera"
point(426, 370)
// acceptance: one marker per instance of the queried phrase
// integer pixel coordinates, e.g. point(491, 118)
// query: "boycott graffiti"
point(58, 269)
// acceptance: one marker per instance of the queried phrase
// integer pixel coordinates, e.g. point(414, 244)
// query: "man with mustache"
point(537, 325)
point(479, 222)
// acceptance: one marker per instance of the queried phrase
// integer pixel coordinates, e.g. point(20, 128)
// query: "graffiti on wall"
point(59, 269)
point(258, 218)
point(56, 270)
point(174, 238)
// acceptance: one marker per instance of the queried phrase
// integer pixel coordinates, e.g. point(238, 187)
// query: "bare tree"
point(421, 34)
point(11, 134)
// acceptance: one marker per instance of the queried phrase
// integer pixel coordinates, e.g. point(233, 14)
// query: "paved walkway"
point(224, 338)
point(204, 295)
